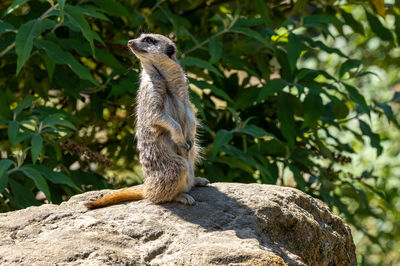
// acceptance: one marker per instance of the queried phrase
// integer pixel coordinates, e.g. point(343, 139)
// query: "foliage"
point(270, 114)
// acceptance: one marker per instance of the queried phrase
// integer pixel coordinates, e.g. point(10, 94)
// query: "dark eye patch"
point(170, 51)
point(149, 40)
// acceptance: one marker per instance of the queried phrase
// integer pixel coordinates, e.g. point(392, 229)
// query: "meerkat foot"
point(185, 199)
point(201, 181)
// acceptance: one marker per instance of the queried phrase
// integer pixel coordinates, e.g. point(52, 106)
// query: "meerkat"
point(165, 127)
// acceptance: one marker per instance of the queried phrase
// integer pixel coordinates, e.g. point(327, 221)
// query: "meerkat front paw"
point(185, 199)
point(201, 181)
point(189, 143)
point(184, 147)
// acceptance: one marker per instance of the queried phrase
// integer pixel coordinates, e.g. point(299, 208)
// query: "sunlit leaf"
point(16, 4)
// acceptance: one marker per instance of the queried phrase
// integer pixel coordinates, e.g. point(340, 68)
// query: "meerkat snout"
point(151, 46)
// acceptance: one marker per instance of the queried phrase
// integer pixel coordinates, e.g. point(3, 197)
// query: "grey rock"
point(231, 224)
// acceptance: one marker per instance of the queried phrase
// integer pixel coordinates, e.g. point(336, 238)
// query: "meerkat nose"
point(130, 42)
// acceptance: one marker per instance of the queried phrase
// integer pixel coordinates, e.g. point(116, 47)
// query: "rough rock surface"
point(231, 224)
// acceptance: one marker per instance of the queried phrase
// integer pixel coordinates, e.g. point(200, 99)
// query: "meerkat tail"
point(115, 198)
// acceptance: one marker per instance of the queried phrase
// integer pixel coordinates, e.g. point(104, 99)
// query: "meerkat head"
point(149, 47)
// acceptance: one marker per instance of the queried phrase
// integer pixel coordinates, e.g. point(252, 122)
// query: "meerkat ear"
point(170, 50)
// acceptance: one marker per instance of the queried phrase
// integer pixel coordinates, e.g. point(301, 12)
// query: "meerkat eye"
point(149, 40)
point(170, 51)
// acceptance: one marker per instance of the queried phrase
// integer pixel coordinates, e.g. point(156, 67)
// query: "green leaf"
point(301, 183)
point(108, 58)
point(396, 96)
point(192, 61)
point(24, 41)
point(286, 118)
point(92, 11)
point(378, 28)
point(254, 131)
point(205, 85)
point(57, 119)
point(16, 4)
point(61, 5)
point(283, 60)
point(221, 138)
point(5, 27)
point(273, 86)
point(357, 98)
point(196, 100)
point(13, 130)
point(29, 99)
point(322, 46)
point(235, 163)
point(50, 64)
point(55, 177)
point(37, 178)
point(252, 34)
point(387, 109)
point(123, 86)
point(262, 9)
point(354, 24)
point(60, 56)
point(113, 8)
point(397, 28)
point(37, 146)
point(5, 112)
point(312, 108)
point(22, 196)
point(374, 138)
point(4, 166)
point(325, 19)
point(215, 49)
point(293, 51)
point(348, 65)
point(78, 19)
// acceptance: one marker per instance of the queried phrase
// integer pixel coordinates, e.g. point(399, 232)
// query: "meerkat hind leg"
point(185, 199)
point(201, 181)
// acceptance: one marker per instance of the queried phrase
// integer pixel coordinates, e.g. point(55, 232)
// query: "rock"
point(231, 224)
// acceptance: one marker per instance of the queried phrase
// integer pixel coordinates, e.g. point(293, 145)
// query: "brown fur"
point(165, 127)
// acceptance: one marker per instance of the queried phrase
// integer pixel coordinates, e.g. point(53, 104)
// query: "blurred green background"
point(294, 93)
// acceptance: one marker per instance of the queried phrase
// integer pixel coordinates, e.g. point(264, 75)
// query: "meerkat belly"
point(174, 106)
